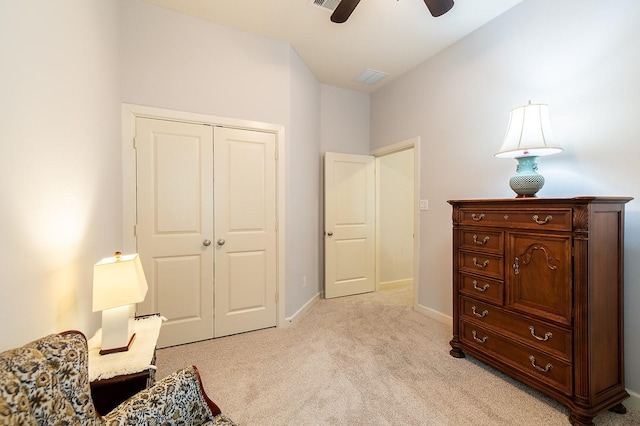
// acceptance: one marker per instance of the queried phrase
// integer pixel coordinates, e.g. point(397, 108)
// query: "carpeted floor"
point(362, 360)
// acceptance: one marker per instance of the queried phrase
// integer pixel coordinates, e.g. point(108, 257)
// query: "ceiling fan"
point(346, 7)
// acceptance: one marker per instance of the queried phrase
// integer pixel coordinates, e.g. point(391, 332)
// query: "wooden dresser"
point(538, 294)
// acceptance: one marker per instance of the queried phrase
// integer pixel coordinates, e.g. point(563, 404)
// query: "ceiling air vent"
point(328, 5)
point(370, 76)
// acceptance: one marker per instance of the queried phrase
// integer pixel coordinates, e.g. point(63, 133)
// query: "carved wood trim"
point(526, 256)
point(581, 218)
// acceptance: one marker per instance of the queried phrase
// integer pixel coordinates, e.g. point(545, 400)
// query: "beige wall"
point(344, 121)
point(576, 55)
point(60, 164)
point(303, 194)
point(171, 60)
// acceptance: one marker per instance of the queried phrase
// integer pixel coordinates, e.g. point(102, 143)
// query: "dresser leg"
point(577, 420)
point(456, 353)
point(618, 409)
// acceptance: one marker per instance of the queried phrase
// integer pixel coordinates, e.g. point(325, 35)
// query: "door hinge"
point(276, 226)
point(135, 230)
point(135, 145)
point(276, 298)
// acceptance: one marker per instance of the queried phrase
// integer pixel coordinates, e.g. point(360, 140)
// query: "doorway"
point(394, 219)
point(408, 146)
point(229, 256)
point(409, 153)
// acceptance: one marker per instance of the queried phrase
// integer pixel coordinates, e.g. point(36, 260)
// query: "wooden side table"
point(118, 376)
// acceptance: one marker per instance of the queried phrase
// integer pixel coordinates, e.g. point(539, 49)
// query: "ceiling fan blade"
point(438, 7)
point(343, 11)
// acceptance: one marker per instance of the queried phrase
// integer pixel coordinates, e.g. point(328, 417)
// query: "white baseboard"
point(433, 314)
point(632, 403)
point(300, 312)
point(396, 283)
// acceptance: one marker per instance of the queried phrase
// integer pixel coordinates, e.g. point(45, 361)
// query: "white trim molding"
point(303, 310)
point(433, 314)
point(634, 401)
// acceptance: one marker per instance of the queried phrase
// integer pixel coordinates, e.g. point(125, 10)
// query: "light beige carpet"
point(362, 360)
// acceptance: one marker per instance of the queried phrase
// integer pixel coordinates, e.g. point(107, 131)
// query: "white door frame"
point(391, 149)
point(129, 114)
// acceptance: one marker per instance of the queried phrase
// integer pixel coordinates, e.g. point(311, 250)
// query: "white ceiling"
point(392, 36)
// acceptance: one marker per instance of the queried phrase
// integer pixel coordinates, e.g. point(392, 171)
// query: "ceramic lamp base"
point(117, 329)
point(527, 181)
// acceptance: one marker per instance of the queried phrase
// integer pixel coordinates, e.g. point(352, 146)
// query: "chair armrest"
point(177, 396)
point(212, 405)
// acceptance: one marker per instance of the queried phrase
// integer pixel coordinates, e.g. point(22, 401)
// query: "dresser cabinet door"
point(540, 275)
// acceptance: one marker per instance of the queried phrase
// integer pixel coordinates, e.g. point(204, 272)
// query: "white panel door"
point(349, 183)
point(245, 230)
point(175, 226)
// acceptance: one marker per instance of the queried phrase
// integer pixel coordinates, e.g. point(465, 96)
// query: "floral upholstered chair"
point(46, 383)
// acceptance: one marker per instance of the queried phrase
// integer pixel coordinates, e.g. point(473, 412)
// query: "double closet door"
point(206, 228)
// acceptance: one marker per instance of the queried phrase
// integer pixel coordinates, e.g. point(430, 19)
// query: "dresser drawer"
point(525, 218)
point(535, 364)
point(488, 265)
point(544, 336)
point(482, 288)
point(479, 239)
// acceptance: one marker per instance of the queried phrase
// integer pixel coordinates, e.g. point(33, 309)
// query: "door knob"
point(221, 242)
point(330, 234)
point(206, 243)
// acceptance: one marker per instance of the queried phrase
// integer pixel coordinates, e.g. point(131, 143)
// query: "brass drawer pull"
point(477, 218)
point(482, 315)
point(483, 288)
point(475, 337)
point(478, 265)
point(480, 243)
point(548, 335)
point(546, 369)
point(516, 266)
point(537, 220)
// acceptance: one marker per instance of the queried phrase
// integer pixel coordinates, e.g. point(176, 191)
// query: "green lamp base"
point(527, 181)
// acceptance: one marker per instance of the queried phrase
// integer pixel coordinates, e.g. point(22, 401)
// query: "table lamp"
point(528, 137)
point(118, 284)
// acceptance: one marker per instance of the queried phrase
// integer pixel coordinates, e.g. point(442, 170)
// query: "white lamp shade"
point(529, 133)
point(118, 281)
